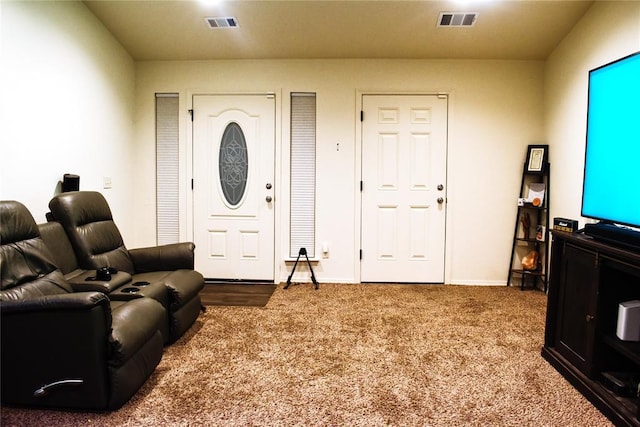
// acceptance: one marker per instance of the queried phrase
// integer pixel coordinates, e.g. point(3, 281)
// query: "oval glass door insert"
point(233, 164)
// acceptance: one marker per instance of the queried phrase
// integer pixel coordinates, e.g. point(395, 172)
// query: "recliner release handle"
point(44, 390)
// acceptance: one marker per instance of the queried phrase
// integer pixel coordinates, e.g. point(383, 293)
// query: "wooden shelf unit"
point(539, 216)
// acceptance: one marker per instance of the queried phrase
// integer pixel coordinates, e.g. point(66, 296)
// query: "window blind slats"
point(167, 192)
point(303, 173)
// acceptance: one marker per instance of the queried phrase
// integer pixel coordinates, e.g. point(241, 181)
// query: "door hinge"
point(192, 183)
point(361, 186)
point(360, 254)
point(361, 115)
point(191, 114)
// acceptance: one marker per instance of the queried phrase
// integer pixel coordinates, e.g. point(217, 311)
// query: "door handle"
point(269, 199)
point(440, 200)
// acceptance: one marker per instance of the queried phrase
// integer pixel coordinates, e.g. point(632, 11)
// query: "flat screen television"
point(611, 187)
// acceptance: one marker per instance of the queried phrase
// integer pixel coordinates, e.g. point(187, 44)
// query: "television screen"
point(611, 190)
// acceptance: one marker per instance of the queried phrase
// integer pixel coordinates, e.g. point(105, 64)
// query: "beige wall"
point(608, 31)
point(74, 101)
point(495, 111)
point(67, 106)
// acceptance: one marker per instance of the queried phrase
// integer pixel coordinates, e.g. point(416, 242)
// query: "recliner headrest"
point(80, 208)
point(16, 222)
point(26, 266)
point(87, 220)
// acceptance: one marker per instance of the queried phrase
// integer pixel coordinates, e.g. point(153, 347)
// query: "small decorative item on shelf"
point(530, 261)
point(525, 220)
point(536, 194)
point(540, 232)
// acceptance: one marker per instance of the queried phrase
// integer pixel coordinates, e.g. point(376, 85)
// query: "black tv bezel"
point(586, 146)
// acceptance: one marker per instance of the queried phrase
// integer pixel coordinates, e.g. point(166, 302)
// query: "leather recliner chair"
point(65, 349)
point(118, 286)
point(88, 222)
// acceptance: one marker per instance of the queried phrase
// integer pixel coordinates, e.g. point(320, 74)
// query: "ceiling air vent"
point(222, 22)
point(457, 19)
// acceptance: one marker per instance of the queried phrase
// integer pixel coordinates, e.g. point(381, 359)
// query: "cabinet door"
point(577, 307)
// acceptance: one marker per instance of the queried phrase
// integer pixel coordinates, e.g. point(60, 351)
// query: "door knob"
point(268, 199)
point(440, 200)
point(440, 187)
point(268, 186)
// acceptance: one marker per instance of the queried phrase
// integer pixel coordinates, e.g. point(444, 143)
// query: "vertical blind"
point(167, 202)
point(303, 174)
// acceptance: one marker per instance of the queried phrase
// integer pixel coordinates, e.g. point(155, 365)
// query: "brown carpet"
point(356, 355)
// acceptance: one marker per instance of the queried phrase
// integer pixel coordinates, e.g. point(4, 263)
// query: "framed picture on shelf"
point(536, 158)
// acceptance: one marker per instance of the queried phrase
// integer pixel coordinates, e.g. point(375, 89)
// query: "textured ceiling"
point(176, 30)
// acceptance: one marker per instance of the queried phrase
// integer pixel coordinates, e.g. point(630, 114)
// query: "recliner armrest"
point(59, 302)
point(86, 282)
point(175, 256)
point(54, 338)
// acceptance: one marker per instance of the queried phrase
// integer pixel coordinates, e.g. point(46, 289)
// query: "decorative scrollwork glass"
point(233, 163)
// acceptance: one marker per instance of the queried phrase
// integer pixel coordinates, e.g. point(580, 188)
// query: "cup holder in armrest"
point(140, 284)
point(130, 290)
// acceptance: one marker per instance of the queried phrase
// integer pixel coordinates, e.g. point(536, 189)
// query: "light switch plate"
point(106, 182)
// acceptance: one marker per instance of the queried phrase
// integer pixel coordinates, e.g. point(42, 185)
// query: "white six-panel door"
point(404, 145)
point(233, 196)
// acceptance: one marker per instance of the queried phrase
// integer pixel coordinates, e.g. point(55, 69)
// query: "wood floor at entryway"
point(255, 295)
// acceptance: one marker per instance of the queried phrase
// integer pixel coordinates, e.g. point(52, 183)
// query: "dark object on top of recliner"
point(88, 222)
point(62, 349)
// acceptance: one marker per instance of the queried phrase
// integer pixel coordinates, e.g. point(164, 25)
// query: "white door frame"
point(188, 154)
point(358, 195)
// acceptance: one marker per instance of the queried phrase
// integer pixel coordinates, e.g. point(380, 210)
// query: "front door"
point(404, 146)
point(233, 188)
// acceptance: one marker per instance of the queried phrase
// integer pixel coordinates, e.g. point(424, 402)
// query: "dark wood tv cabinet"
point(588, 280)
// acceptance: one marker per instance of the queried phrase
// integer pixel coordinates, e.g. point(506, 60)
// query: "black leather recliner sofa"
point(66, 349)
point(118, 286)
point(97, 242)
